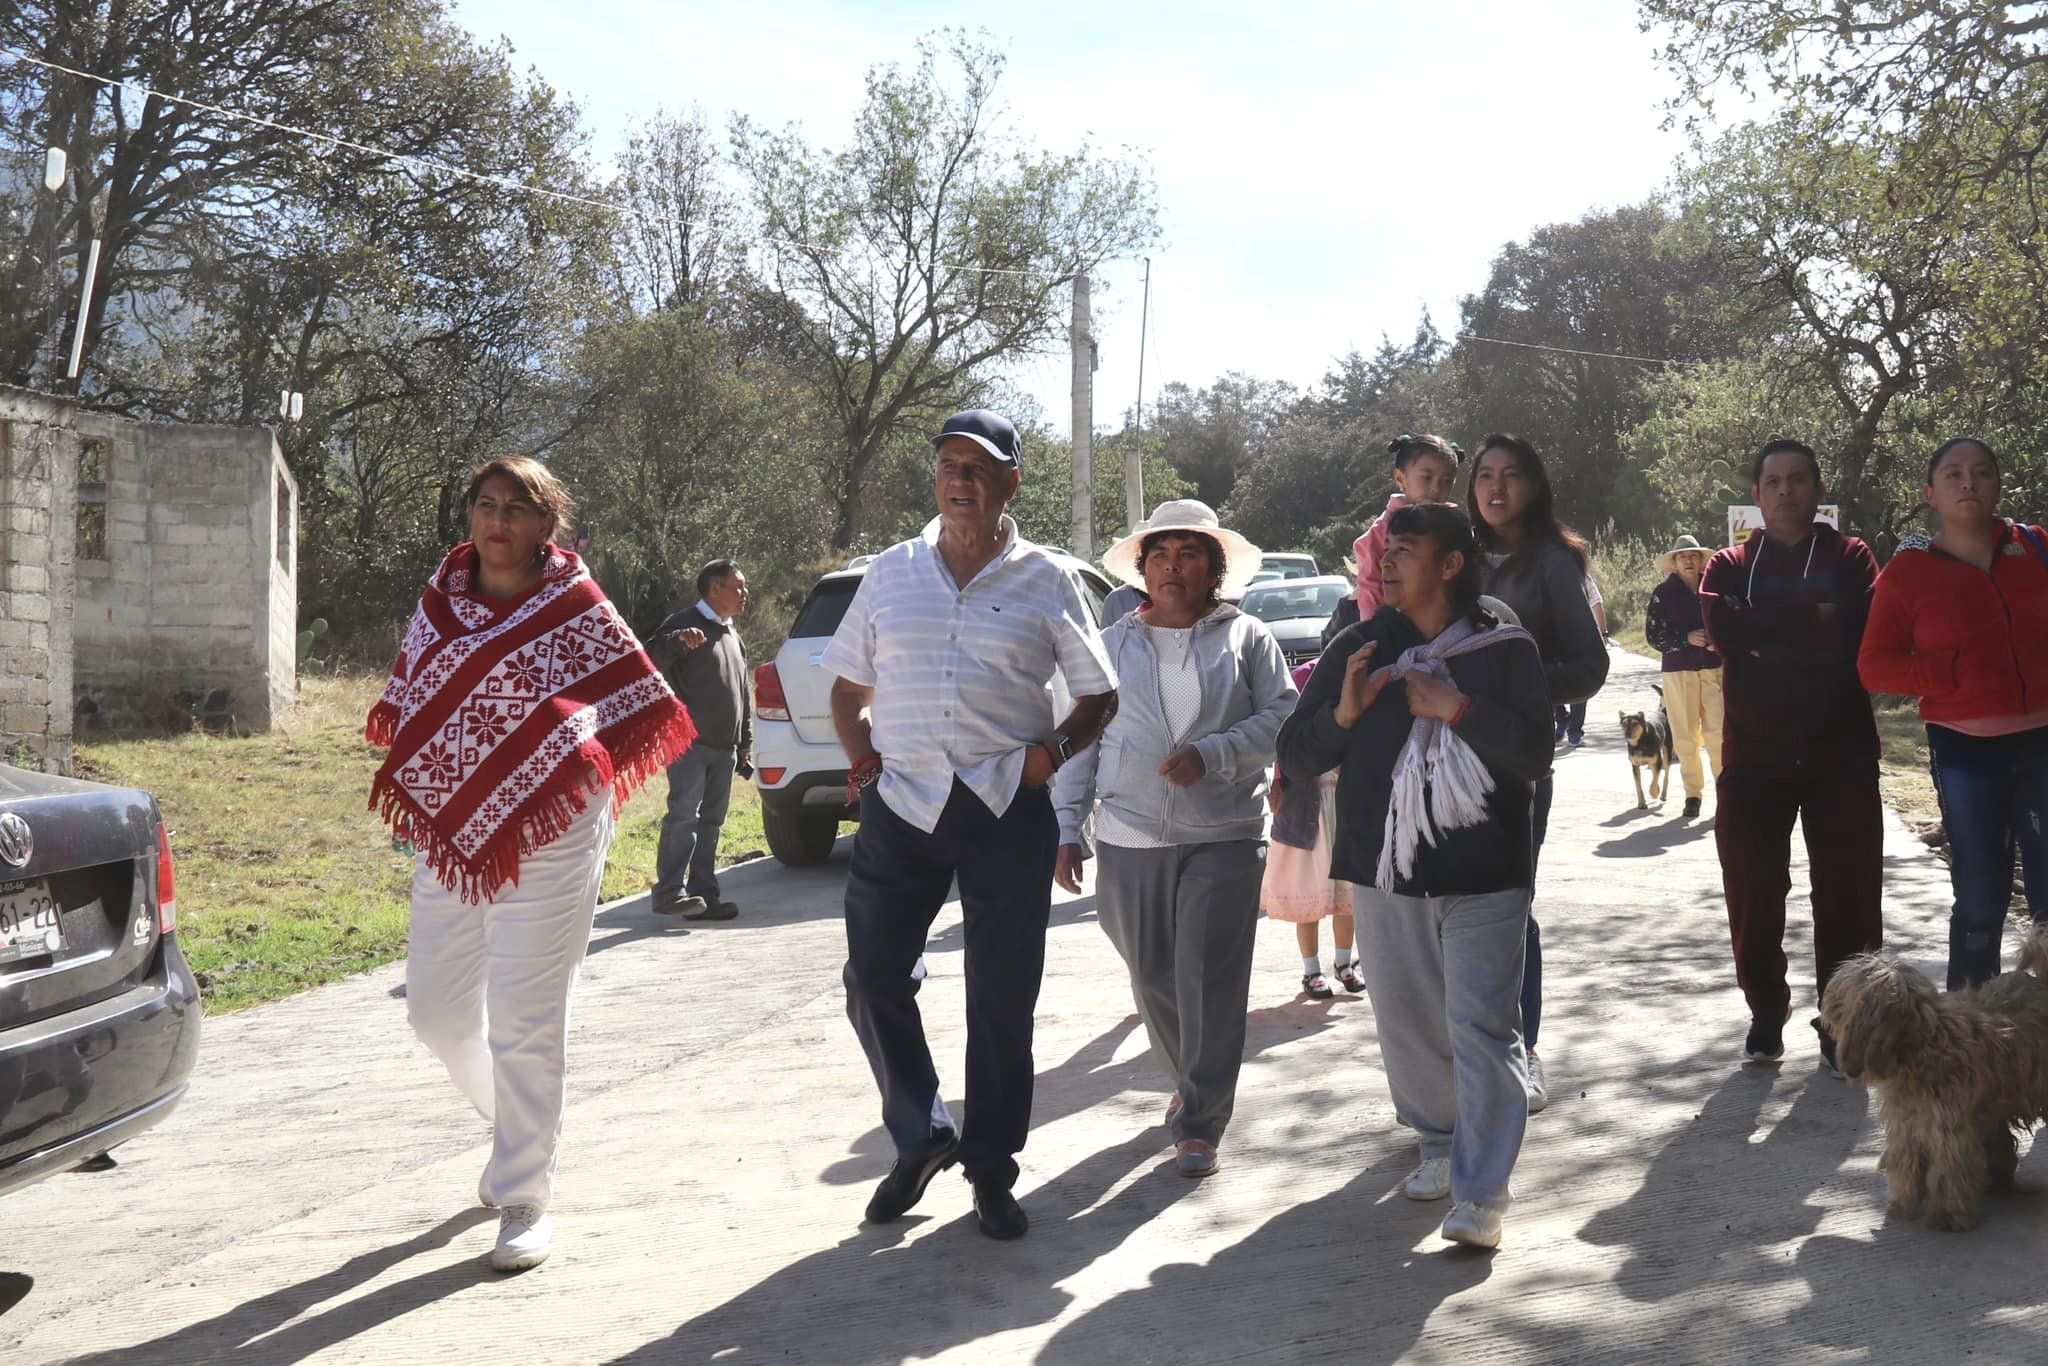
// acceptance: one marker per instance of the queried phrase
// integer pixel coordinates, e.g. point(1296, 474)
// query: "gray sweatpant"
point(1445, 977)
point(1184, 919)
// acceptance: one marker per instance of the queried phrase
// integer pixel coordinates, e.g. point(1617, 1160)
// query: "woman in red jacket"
point(1961, 622)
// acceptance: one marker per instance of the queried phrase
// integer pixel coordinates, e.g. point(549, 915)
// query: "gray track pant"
point(1184, 920)
point(1445, 976)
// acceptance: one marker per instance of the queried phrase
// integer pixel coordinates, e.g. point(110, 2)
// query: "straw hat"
point(1241, 558)
point(1667, 563)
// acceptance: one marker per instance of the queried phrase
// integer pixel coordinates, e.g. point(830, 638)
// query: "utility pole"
point(1134, 464)
point(1082, 338)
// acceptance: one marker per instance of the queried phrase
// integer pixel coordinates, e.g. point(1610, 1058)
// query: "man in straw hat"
point(1692, 666)
point(943, 705)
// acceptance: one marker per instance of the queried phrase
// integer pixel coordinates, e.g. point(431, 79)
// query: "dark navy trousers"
point(900, 880)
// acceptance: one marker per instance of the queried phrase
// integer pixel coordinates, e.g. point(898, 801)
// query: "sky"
point(1325, 170)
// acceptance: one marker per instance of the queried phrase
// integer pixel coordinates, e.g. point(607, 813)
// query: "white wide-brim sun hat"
point(1240, 557)
point(1667, 563)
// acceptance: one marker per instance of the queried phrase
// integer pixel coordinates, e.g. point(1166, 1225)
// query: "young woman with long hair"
point(1537, 566)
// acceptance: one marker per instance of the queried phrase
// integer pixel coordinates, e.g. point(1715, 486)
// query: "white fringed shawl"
point(1439, 783)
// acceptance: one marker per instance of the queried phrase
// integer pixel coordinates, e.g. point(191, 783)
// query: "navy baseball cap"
point(992, 432)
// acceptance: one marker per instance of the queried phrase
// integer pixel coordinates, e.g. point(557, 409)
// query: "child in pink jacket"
point(1425, 471)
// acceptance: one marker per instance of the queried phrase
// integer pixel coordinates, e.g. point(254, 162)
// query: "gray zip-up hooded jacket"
point(1246, 694)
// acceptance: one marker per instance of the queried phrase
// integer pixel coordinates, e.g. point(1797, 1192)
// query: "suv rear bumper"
point(812, 794)
point(813, 781)
point(120, 1065)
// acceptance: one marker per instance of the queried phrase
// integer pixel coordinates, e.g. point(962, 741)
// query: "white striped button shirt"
point(962, 676)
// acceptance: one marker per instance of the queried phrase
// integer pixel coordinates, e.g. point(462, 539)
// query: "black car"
point(99, 1013)
point(1295, 611)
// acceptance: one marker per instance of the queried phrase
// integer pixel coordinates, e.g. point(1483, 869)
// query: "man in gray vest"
point(698, 650)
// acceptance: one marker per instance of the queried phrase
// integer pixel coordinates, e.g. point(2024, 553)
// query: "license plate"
point(30, 923)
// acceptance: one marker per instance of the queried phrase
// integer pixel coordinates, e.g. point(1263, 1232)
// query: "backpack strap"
point(2040, 548)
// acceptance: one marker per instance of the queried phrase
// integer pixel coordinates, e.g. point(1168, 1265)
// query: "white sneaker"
point(525, 1237)
point(1473, 1225)
point(1430, 1181)
point(1539, 1093)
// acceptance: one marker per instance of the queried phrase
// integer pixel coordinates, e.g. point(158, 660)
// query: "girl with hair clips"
point(1425, 471)
point(1298, 889)
point(1438, 722)
point(520, 711)
point(1960, 621)
point(1537, 566)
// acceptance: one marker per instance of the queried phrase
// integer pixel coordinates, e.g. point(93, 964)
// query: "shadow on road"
point(1090, 1077)
point(14, 1288)
point(955, 1287)
point(1307, 1276)
point(233, 1336)
point(1651, 840)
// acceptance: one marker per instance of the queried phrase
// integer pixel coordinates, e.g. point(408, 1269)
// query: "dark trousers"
point(1994, 801)
point(1532, 946)
point(898, 884)
point(1569, 720)
point(1837, 805)
point(699, 794)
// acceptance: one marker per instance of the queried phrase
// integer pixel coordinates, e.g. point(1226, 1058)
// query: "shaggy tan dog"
point(1959, 1075)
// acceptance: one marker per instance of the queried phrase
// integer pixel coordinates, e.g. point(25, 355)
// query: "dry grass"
point(285, 879)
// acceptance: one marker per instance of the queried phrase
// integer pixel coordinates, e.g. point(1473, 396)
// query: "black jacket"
point(1508, 727)
point(1545, 587)
point(712, 680)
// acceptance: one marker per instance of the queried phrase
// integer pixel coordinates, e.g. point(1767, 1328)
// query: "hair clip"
point(1399, 444)
point(1457, 450)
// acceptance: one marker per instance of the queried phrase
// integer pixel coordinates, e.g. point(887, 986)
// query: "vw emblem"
point(17, 841)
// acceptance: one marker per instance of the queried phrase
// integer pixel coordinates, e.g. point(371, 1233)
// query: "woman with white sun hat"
point(1177, 787)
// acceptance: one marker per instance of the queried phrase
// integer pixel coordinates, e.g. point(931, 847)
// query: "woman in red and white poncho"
point(520, 710)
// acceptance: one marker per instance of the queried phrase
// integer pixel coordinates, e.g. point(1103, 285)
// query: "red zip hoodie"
point(1970, 645)
point(1788, 674)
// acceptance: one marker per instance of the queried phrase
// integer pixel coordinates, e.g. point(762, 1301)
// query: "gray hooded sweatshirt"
point(1247, 693)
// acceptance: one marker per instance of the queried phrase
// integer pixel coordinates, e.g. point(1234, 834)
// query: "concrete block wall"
point(190, 616)
point(37, 474)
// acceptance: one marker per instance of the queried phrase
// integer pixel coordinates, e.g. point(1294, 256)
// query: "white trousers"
point(487, 990)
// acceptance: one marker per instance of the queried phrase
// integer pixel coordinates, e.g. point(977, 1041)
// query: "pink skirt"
point(1298, 886)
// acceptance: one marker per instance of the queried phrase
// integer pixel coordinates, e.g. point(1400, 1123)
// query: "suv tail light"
point(166, 884)
point(769, 703)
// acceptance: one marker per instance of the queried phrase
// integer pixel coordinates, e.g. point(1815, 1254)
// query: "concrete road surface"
point(313, 1199)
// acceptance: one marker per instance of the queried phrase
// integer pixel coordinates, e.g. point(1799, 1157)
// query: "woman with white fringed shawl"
point(1437, 719)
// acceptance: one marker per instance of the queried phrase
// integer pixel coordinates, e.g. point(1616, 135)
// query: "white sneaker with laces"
point(1430, 1181)
point(1539, 1091)
point(1473, 1225)
point(525, 1237)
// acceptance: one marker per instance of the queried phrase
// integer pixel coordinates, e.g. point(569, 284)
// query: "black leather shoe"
point(999, 1213)
point(712, 910)
point(904, 1186)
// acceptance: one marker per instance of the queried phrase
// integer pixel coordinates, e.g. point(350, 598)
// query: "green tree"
point(1542, 339)
point(932, 245)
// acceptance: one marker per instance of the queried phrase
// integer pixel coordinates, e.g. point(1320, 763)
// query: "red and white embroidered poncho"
point(496, 711)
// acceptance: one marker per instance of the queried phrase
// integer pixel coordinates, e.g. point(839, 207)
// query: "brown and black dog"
point(1649, 746)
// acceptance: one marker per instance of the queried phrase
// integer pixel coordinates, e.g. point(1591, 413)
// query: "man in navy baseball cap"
point(992, 432)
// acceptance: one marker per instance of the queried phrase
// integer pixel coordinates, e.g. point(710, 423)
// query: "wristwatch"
point(1061, 745)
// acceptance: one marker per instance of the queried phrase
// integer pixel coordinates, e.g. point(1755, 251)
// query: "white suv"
point(798, 765)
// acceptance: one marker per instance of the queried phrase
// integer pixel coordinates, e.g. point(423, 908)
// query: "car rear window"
point(823, 610)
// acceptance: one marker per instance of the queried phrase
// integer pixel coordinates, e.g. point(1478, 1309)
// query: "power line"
point(1573, 351)
point(448, 168)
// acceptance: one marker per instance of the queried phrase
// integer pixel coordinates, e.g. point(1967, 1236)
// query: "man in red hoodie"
point(1786, 610)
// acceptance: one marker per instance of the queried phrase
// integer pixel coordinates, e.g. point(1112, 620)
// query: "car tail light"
point(166, 884)
point(770, 776)
point(769, 703)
